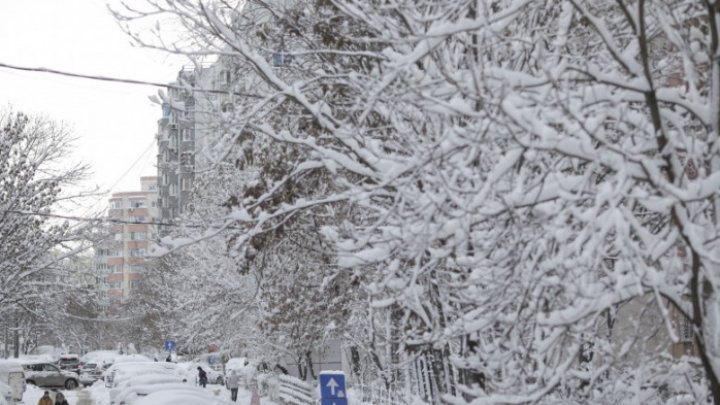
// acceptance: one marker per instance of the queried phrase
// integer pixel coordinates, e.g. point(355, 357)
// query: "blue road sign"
point(333, 401)
point(332, 386)
point(169, 345)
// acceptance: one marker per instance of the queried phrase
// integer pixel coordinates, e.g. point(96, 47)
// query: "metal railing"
point(293, 391)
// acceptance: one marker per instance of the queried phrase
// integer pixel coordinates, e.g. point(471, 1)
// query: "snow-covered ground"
point(33, 394)
point(97, 394)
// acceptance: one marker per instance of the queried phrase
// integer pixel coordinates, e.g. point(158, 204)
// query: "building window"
point(186, 134)
point(137, 235)
point(185, 184)
point(186, 159)
point(173, 190)
point(225, 77)
point(102, 267)
point(137, 252)
point(134, 283)
point(115, 203)
point(153, 204)
point(137, 203)
point(118, 236)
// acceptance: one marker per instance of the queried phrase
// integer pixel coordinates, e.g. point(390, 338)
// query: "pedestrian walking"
point(233, 383)
point(60, 399)
point(46, 400)
point(202, 377)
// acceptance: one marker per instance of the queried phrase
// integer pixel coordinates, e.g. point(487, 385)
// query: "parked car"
point(181, 397)
point(142, 380)
point(12, 381)
point(156, 392)
point(89, 373)
point(70, 362)
point(246, 369)
point(122, 371)
point(49, 375)
point(214, 376)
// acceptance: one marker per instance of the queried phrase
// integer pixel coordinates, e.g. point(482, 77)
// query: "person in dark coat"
point(60, 399)
point(202, 377)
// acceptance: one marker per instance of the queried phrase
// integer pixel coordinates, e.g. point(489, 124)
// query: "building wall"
point(120, 258)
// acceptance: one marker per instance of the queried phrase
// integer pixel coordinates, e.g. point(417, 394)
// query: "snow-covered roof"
point(8, 366)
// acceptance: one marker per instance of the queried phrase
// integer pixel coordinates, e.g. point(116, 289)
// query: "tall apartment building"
point(185, 133)
point(192, 124)
point(121, 257)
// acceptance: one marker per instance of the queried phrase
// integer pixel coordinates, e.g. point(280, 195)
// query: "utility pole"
point(7, 338)
point(16, 338)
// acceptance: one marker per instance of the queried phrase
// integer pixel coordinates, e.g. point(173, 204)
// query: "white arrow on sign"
point(332, 384)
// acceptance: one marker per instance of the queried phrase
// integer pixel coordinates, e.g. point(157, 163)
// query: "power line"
point(102, 199)
point(111, 221)
point(120, 80)
point(133, 165)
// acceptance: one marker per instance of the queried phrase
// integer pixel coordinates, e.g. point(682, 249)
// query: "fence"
point(293, 391)
point(377, 394)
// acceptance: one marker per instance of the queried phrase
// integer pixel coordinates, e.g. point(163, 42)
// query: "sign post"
point(332, 388)
point(169, 345)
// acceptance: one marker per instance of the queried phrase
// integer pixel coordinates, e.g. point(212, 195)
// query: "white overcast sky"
point(115, 123)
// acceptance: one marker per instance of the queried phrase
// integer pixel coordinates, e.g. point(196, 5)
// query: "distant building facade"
point(186, 132)
point(120, 259)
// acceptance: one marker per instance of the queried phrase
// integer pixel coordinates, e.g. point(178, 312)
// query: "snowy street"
point(74, 397)
point(98, 394)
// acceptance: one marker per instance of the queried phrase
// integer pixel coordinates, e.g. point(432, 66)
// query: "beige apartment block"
point(120, 258)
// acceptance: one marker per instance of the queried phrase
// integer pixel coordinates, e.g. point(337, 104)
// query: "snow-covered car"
point(142, 380)
point(131, 395)
point(214, 376)
point(69, 362)
point(103, 358)
point(118, 372)
point(244, 367)
point(49, 375)
point(109, 373)
point(89, 373)
point(181, 397)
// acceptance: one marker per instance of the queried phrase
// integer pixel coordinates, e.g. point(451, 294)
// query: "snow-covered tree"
point(35, 249)
point(518, 174)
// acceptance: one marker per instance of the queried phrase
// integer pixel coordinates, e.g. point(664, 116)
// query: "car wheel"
point(71, 384)
point(219, 381)
point(31, 382)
